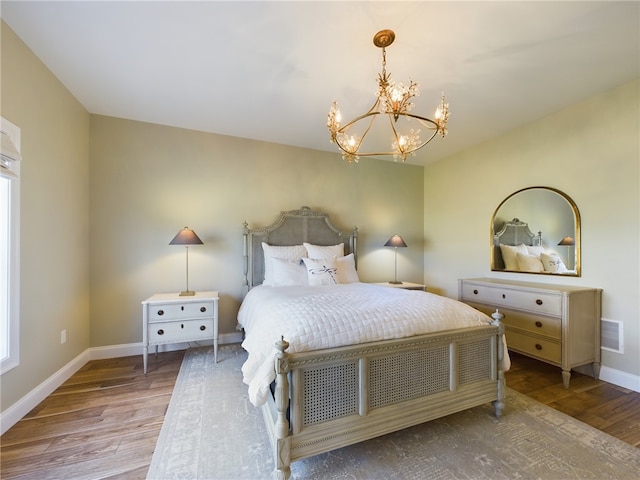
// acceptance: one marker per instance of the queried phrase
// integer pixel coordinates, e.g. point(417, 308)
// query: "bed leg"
point(498, 404)
point(283, 441)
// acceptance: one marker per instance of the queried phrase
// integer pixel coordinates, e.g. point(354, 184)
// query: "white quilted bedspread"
point(312, 318)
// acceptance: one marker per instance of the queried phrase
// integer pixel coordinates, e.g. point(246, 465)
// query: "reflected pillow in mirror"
point(509, 253)
point(529, 263)
point(535, 250)
point(553, 263)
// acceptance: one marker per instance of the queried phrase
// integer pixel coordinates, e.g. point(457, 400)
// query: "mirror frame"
point(576, 216)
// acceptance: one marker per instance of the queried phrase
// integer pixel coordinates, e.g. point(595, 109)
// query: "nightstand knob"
point(160, 312)
point(203, 327)
point(538, 302)
point(161, 332)
point(539, 324)
point(203, 309)
point(475, 292)
point(538, 346)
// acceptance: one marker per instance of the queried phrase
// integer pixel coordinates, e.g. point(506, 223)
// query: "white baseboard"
point(622, 379)
point(11, 416)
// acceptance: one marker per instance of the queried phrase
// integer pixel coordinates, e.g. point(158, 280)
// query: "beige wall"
point(148, 181)
point(590, 151)
point(54, 246)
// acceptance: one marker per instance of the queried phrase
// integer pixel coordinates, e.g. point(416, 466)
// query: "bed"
point(321, 389)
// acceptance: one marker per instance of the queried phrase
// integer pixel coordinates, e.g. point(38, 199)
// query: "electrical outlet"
point(63, 336)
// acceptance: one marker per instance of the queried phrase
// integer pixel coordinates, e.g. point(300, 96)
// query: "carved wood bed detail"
point(513, 233)
point(330, 398)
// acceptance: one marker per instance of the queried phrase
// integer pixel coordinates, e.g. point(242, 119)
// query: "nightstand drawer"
point(536, 302)
point(187, 330)
point(174, 311)
point(535, 347)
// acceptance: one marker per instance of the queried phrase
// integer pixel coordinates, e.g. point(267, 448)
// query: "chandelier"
point(393, 103)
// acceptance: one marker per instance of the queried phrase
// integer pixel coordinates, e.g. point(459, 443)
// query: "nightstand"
point(170, 318)
point(405, 285)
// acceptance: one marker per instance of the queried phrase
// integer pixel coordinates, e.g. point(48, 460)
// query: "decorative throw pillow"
point(553, 263)
point(324, 251)
point(294, 253)
point(347, 272)
point(322, 271)
point(509, 253)
point(288, 272)
point(529, 263)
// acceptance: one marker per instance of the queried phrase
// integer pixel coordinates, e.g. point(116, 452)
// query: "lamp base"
point(395, 282)
point(187, 293)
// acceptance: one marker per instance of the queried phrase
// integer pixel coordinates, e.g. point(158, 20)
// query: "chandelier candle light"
point(393, 101)
point(186, 237)
point(395, 241)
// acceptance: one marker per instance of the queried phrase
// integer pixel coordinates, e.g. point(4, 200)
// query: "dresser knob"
point(475, 292)
point(203, 327)
point(504, 296)
point(538, 346)
point(539, 324)
point(203, 309)
point(161, 332)
point(160, 312)
point(538, 302)
point(182, 307)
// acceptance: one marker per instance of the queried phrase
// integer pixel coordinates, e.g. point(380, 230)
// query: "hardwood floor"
point(104, 421)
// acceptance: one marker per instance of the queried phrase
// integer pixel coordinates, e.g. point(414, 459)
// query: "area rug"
point(212, 431)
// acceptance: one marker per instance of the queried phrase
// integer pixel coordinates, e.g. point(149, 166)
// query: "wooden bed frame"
point(328, 399)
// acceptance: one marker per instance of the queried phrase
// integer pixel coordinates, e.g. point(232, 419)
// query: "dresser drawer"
point(536, 302)
point(188, 330)
point(172, 311)
point(548, 326)
point(536, 347)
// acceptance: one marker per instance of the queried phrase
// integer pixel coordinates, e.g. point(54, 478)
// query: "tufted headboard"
point(292, 227)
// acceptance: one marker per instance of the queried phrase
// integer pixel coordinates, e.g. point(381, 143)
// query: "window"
point(9, 246)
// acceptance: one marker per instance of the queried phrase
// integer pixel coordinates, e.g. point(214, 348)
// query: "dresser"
point(556, 324)
point(171, 318)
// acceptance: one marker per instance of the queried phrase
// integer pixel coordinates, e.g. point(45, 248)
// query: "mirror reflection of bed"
point(517, 248)
point(536, 230)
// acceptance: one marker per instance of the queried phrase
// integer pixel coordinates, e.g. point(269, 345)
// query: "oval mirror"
point(536, 230)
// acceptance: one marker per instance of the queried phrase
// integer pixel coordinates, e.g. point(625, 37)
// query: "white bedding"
point(316, 317)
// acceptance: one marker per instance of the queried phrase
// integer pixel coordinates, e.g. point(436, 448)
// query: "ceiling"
point(269, 70)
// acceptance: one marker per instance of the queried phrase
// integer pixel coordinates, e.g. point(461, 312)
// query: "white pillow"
point(552, 263)
point(509, 255)
point(347, 272)
point(294, 253)
point(529, 263)
point(324, 251)
point(288, 272)
point(322, 271)
point(536, 250)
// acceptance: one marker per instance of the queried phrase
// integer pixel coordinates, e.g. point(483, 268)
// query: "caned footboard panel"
point(346, 395)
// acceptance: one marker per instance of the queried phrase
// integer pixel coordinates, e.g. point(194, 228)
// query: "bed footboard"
point(328, 399)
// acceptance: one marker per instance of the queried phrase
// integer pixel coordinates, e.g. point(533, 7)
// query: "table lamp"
point(186, 237)
point(395, 241)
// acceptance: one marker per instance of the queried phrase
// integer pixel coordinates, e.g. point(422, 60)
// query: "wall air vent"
point(611, 336)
